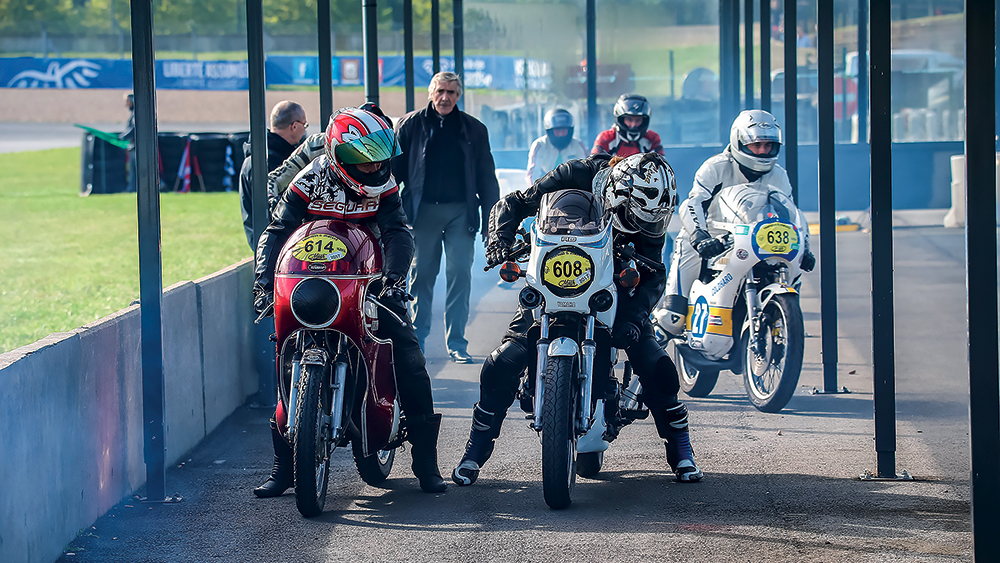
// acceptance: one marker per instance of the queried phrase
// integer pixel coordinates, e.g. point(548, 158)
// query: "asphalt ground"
point(777, 488)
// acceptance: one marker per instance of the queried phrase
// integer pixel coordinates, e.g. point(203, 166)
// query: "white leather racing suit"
point(543, 157)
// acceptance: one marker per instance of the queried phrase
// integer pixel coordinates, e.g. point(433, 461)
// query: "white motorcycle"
point(743, 311)
point(570, 287)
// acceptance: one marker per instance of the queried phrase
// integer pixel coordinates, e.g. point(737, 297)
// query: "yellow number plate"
point(777, 238)
point(567, 270)
point(319, 248)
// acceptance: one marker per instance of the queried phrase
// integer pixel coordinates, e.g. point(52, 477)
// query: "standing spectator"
point(128, 134)
point(555, 147)
point(630, 134)
point(447, 176)
point(288, 130)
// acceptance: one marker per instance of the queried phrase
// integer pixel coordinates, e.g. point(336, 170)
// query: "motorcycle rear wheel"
point(771, 377)
point(588, 464)
point(313, 443)
point(375, 468)
point(696, 383)
point(558, 432)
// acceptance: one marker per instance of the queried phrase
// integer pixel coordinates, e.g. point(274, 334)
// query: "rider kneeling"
point(352, 182)
point(641, 193)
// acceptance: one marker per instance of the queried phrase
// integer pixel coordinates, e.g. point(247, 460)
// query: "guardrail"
point(72, 407)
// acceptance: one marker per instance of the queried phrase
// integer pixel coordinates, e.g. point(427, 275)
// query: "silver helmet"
point(642, 194)
point(755, 126)
point(555, 119)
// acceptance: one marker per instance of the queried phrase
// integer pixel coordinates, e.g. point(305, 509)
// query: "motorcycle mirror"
point(510, 272)
point(628, 277)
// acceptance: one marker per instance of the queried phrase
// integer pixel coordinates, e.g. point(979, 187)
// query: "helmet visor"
point(374, 147)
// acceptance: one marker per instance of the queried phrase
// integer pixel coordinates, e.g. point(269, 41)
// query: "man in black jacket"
point(641, 193)
point(447, 176)
point(288, 129)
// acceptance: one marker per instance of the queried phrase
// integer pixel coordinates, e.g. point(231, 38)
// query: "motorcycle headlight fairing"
point(315, 302)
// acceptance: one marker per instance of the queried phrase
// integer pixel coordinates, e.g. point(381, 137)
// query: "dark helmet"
point(355, 136)
point(555, 119)
point(631, 105)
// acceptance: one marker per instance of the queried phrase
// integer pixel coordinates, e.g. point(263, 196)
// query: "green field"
point(67, 260)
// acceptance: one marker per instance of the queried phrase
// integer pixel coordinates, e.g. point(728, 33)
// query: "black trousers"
point(413, 384)
point(501, 373)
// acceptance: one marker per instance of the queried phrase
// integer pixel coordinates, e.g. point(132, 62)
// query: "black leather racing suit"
point(502, 370)
point(316, 194)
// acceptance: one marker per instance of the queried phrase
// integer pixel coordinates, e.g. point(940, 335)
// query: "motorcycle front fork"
point(310, 353)
point(585, 379)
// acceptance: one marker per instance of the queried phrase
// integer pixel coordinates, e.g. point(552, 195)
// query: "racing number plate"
point(777, 238)
point(319, 248)
point(567, 270)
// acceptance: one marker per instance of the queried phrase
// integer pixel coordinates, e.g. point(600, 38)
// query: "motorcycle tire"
point(312, 447)
point(374, 469)
point(769, 381)
point(695, 383)
point(589, 464)
point(558, 432)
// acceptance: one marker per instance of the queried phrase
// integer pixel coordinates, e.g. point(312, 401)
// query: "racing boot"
point(423, 435)
point(672, 426)
point(282, 475)
point(485, 429)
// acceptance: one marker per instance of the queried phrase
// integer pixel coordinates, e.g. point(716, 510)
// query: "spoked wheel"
point(773, 363)
point(313, 440)
point(558, 432)
point(694, 382)
point(375, 468)
point(589, 464)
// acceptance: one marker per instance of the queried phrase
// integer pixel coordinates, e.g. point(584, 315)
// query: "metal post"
point(408, 52)
point(369, 15)
point(748, 91)
point(266, 384)
point(791, 131)
point(436, 35)
point(729, 66)
point(827, 203)
point(765, 55)
point(863, 72)
point(459, 41)
point(981, 276)
point(150, 267)
point(591, 69)
point(325, 62)
point(672, 74)
point(883, 335)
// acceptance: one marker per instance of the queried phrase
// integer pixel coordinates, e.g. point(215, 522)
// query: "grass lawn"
point(67, 260)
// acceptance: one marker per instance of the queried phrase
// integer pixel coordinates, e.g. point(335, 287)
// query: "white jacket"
point(543, 157)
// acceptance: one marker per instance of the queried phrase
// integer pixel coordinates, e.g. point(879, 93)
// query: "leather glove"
point(706, 246)
point(391, 290)
point(496, 252)
point(263, 300)
point(624, 335)
point(808, 262)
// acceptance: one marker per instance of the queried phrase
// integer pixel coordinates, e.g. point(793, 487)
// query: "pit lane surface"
point(777, 488)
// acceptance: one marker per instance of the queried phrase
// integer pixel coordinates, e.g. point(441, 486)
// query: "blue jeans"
point(442, 225)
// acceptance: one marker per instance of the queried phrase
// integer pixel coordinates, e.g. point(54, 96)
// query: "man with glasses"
point(288, 130)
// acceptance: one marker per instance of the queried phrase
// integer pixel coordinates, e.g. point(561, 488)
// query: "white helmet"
point(755, 126)
point(642, 194)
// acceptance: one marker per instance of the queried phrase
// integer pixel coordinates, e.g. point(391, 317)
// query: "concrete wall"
point(72, 445)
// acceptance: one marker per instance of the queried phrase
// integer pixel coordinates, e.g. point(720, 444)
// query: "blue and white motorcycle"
point(743, 311)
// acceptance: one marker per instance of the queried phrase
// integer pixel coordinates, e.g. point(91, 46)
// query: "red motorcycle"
point(336, 377)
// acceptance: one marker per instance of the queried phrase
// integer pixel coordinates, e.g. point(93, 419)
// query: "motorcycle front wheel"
point(771, 372)
point(313, 442)
point(558, 432)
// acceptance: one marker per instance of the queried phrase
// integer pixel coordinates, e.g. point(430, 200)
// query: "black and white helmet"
point(558, 118)
point(755, 126)
point(642, 194)
point(631, 105)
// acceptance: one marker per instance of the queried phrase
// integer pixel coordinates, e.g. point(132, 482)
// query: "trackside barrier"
point(956, 215)
point(72, 440)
